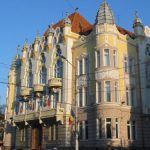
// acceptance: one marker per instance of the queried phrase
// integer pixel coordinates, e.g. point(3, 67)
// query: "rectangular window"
point(23, 133)
point(99, 128)
point(86, 130)
point(127, 96)
point(128, 130)
point(106, 57)
point(86, 65)
point(116, 92)
point(98, 59)
point(114, 58)
point(131, 66)
point(86, 96)
point(52, 135)
point(80, 131)
point(117, 128)
point(80, 97)
point(107, 91)
point(80, 67)
point(108, 128)
point(126, 70)
point(98, 92)
point(131, 130)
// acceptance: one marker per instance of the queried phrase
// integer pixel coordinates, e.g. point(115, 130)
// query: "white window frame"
point(116, 92)
point(115, 58)
point(126, 64)
point(128, 98)
point(97, 59)
point(98, 92)
point(130, 125)
point(131, 66)
point(117, 124)
point(105, 91)
point(98, 128)
point(104, 55)
point(106, 127)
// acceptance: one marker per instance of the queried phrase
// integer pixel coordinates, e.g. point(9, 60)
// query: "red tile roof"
point(124, 32)
point(81, 26)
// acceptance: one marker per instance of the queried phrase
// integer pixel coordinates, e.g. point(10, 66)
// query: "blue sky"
point(21, 19)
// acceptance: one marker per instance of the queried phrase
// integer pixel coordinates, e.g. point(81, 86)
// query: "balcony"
point(42, 112)
point(26, 91)
point(39, 88)
point(19, 118)
point(55, 82)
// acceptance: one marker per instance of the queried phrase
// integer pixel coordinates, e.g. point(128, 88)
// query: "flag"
point(72, 117)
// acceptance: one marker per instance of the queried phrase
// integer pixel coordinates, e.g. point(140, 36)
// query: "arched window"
point(43, 59)
point(30, 75)
point(59, 69)
point(43, 74)
point(30, 79)
point(59, 64)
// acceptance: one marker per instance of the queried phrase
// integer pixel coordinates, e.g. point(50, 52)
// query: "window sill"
point(83, 140)
point(104, 139)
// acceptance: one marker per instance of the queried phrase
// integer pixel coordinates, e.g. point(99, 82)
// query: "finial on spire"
point(137, 20)
point(76, 9)
point(67, 14)
point(50, 28)
point(67, 21)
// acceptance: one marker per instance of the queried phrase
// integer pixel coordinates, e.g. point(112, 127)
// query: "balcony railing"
point(55, 82)
point(38, 109)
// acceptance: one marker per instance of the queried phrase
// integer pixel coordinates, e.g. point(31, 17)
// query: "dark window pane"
point(108, 130)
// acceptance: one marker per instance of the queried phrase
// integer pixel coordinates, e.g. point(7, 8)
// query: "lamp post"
point(76, 106)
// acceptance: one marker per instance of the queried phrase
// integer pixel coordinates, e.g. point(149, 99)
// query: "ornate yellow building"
point(98, 67)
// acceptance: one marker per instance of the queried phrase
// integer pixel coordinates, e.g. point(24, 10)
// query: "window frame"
point(107, 91)
point(106, 130)
point(106, 56)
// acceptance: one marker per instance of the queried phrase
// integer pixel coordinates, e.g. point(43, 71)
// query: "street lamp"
point(76, 107)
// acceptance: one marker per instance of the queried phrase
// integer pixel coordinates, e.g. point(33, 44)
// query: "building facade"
point(1, 128)
point(102, 69)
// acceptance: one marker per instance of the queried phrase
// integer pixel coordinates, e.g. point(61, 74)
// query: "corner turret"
point(105, 14)
point(138, 26)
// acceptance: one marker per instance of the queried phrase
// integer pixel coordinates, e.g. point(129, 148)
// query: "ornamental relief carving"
point(82, 81)
point(100, 74)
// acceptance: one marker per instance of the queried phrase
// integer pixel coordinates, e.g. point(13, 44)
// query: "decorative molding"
point(101, 74)
point(82, 81)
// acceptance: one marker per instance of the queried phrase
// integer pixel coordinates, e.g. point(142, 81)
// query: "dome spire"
point(105, 14)
point(137, 20)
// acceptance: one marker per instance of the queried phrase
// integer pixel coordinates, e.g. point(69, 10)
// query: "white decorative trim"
point(111, 74)
point(82, 81)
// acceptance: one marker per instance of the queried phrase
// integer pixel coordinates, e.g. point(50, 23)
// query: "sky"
point(22, 19)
